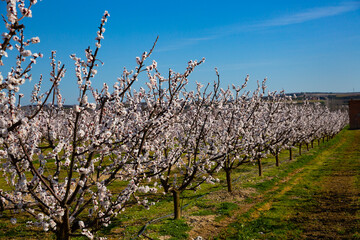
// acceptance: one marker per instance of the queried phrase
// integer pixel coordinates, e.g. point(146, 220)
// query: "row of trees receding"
point(60, 165)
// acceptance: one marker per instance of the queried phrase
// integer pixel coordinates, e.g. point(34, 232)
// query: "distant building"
point(354, 114)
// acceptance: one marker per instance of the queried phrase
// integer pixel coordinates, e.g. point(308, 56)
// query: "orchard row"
point(59, 164)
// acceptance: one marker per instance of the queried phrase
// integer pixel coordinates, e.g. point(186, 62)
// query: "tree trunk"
point(177, 210)
point(307, 147)
point(260, 167)
point(318, 142)
point(323, 139)
point(277, 159)
point(228, 180)
point(291, 153)
point(300, 149)
point(62, 235)
point(1, 206)
point(63, 231)
point(312, 143)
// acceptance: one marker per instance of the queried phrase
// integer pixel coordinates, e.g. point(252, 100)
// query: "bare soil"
point(334, 215)
point(207, 227)
point(334, 212)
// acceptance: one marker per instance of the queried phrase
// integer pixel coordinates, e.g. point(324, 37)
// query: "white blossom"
point(35, 40)
point(26, 53)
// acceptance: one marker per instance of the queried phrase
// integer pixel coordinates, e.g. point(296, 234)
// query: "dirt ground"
point(334, 213)
point(334, 209)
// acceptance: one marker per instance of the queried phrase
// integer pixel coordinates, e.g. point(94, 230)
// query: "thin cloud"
point(179, 44)
point(300, 17)
point(184, 43)
point(311, 14)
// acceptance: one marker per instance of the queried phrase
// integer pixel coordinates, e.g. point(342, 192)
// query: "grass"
point(19, 230)
point(226, 208)
point(175, 228)
point(287, 206)
point(203, 212)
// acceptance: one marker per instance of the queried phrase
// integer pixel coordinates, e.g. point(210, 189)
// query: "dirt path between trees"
point(334, 213)
point(319, 201)
point(207, 227)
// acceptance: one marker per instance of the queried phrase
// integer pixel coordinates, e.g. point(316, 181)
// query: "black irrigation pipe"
point(142, 230)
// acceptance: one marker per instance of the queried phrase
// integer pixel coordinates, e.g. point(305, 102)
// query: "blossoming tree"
point(63, 167)
point(61, 164)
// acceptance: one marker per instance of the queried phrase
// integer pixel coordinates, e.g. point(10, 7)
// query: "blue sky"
point(298, 45)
